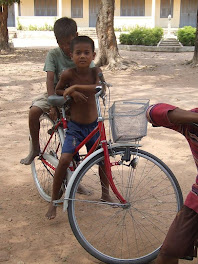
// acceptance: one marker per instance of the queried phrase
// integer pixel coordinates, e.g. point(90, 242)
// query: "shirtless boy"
point(57, 60)
point(82, 81)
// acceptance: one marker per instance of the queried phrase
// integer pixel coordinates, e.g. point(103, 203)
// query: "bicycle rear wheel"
point(131, 234)
point(43, 174)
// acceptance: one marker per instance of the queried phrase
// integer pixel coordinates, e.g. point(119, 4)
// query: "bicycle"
point(146, 193)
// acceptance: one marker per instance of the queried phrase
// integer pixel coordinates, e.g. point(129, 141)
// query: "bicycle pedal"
point(50, 131)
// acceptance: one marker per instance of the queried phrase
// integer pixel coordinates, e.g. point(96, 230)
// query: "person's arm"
point(50, 83)
point(63, 82)
point(180, 116)
point(84, 87)
point(50, 69)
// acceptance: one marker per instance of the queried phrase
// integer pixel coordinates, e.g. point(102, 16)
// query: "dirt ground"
point(26, 236)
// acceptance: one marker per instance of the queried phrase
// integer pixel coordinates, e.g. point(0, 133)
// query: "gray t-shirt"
point(56, 61)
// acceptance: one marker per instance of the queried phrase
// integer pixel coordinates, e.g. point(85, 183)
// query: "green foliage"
point(20, 27)
point(46, 27)
point(142, 36)
point(8, 2)
point(123, 29)
point(186, 35)
point(118, 29)
point(124, 38)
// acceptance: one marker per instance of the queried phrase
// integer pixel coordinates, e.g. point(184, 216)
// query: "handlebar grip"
point(101, 77)
point(68, 99)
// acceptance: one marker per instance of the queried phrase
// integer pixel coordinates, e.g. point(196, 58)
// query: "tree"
point(195, 57)
point(108, 53)
point(3, 22)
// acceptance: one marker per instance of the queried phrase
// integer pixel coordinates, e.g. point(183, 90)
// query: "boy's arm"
point(50, 83)
point(84, 88)
point(180, 116)
point(63, 82)
point(51, 91)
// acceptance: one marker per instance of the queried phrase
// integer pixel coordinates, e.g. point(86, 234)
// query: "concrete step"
point(90, 32)
point(170, 45)
point(46, 34)
point(171, 42)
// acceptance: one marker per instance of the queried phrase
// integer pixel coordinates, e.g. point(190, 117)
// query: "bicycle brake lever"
point(103, 99)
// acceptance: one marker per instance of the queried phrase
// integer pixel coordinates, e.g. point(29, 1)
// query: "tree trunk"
point(195, 57)
point(3, 27)
point(108, 51)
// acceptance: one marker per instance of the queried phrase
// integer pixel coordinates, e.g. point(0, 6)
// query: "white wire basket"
point(128, 120)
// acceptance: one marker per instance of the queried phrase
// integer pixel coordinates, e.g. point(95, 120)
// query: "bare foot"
point(28, 160)
point(83, 190)
point(107, 198)
point(51, 213)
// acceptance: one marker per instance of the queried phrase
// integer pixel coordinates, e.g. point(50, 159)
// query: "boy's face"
point(82, 55)
point(64, 44)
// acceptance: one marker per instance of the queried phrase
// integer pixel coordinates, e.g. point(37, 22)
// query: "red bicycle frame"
point(101, 139)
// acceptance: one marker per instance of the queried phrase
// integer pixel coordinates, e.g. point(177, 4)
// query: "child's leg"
point(181, 237)
point(166, 260)
point(39, 106)
point(34, 126)
point(59, 176)
point(105, 184)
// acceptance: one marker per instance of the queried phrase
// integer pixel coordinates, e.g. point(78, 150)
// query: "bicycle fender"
point(51, 159)
point(61, 133)
point(73, 177)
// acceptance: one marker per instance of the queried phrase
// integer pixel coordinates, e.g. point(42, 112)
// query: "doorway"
point(94, 6)
point(188, 14)
point(11, 16)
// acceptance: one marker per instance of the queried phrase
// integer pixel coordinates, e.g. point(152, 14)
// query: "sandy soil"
point(26, 237)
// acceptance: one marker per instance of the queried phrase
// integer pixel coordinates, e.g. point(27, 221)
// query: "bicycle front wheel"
point(132, 233)
point(43, 174)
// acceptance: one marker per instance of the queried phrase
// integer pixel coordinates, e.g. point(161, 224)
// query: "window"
point(76, 8)
point(132, 7)
point(45, 7)
point(166, 8)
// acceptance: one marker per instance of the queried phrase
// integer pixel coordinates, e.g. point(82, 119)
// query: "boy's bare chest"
point(86, 79)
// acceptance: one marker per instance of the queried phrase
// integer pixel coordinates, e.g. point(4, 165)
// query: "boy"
point(82, 82)
point(180, 241)
point(58, 60)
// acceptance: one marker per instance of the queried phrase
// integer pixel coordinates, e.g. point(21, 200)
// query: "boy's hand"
point(68, 91)
point(78, 97)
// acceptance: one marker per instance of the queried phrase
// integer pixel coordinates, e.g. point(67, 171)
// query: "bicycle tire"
point(42, 174)
point(132, 235)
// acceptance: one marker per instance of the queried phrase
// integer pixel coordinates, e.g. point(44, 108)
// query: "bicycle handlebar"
point(101, 77)
point(101, 89)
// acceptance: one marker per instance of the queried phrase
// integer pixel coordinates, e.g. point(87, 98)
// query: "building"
point(148, 13)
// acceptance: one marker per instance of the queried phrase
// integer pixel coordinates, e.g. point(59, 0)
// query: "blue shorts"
point(76, 133)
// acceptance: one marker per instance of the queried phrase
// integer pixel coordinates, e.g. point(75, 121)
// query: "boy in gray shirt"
point(57, 60)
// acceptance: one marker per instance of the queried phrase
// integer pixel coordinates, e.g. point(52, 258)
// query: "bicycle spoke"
point(129, 231)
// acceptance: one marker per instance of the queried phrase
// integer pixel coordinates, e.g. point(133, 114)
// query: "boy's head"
point(65, 29)
point(82, 39)
point(82, 51)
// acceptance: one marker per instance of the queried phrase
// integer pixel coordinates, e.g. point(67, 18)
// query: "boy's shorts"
point(41, 102)
point(76, 133)
point(182, 236)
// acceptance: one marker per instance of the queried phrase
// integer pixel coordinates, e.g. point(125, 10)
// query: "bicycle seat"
point(57, 100)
